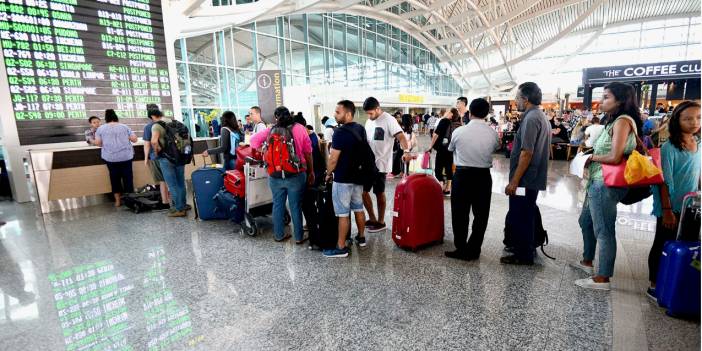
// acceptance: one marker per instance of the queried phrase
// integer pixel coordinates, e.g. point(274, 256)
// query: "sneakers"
point(360, 241)
point(336, 253)
point(579, 265)
point(374, 227)
point(651, 293)
point(588, 283)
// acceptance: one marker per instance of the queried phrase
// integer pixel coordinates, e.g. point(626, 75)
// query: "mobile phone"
point(520, 191)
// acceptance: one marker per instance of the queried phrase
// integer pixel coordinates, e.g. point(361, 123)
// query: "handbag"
point(614, 175)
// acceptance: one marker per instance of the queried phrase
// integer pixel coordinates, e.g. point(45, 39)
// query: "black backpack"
point(540, 234)
point(179, 144)
point(364, 163)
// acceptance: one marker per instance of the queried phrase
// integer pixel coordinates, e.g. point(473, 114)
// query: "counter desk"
point(70, 178)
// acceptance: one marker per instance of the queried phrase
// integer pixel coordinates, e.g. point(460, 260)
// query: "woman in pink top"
point(292, 187)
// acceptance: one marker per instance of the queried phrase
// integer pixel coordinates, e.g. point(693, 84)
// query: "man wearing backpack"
point(381, 130)
point(287, 152)
point(347, 171)
point(173, 147)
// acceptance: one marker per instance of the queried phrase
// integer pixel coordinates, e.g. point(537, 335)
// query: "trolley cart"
point(689, 226)
point(259, 198)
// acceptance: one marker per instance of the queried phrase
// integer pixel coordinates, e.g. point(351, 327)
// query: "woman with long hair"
point(443, 165)
point(599, 214)
point(229, 138)
point(291, 186)
point(117, 151)
point(680, 158)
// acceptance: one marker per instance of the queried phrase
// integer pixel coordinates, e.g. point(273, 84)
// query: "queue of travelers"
point(464, 141)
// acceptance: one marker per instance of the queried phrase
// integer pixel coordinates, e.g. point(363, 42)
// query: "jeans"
point(175, 178)
point(121, 177)
point(522, 210)
point(471, 188)
point(291, 188)
point(597, 221)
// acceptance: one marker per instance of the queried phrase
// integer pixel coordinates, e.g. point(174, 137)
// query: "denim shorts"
point(347, 198)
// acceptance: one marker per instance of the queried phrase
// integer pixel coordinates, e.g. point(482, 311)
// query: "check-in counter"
point(72, 178)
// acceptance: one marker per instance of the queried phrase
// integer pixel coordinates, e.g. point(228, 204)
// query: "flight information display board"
point(67, 60)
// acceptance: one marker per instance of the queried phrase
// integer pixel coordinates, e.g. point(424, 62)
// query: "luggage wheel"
point(248, 226)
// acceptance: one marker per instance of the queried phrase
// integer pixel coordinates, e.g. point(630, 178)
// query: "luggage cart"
point(259, 198)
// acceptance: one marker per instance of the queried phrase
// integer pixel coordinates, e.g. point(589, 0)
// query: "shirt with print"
point(603, 145)
point(116, 146)
point(89, 136)
point(381, 134)
point(301, 141)
point(349, 146)
point(534, 135)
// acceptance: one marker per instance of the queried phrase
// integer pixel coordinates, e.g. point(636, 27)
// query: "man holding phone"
point(528, 169)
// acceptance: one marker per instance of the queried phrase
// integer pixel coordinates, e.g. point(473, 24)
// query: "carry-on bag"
point(326, 233)
point(689, 227)
point(418, 212)
point(678, 281)
point(143, 200)
point(206, 183)
point(235, 183)
point(229, 206)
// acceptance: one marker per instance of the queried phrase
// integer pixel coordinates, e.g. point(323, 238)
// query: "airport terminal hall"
point(350, 175)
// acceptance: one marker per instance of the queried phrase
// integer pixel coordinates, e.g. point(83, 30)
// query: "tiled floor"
point(181, 284)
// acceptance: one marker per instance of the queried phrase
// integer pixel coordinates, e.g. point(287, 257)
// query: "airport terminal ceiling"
point(489, 46)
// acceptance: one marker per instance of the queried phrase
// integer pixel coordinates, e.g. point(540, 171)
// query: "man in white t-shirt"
point(593, 132)
point(382, 130)
point(255, 113)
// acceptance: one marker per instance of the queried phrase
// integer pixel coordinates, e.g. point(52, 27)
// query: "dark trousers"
point(471, 190)
point(443, 165)
point(121, 176)
point(521, 216)
point(663, 234)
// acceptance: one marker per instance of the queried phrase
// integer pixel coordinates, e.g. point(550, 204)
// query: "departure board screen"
point(67, 60)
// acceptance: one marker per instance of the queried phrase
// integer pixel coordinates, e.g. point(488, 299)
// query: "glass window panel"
point(380, 48)
point(200, 48)
point(177, 48)
point(204, 85)
point(394, 51)
point(352, 40)
point(182, 79)
point(297, 61)
point(316, 65)
point(297, 27)
point(243, 49)
point(247, 95)
point(654, 37)
point(231, 85)
point(315, 29)
point(355, 69)
point(267, 27)
point(339, 75)
point(370, 44)
point(339, 35)
point(268, 50)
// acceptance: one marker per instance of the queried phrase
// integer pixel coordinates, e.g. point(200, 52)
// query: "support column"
point(654, 97)
point(587, 97)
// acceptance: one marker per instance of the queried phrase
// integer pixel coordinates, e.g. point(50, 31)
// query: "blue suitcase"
point(678, 281)
point(229, 206)
point(206, 183)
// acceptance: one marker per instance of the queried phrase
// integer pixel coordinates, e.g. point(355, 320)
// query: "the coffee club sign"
point(646, 71)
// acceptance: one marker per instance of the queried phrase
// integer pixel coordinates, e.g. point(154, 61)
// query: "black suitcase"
point(689, 226)
point(323, 231)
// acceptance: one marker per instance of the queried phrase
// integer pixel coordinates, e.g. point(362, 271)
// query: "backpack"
point(179, 144)
point(234, 140)
point(540, 234)
point(364, 168)
point(279, 153)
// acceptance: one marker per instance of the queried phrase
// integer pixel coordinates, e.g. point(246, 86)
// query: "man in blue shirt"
point(150, 157)
point(347, 189)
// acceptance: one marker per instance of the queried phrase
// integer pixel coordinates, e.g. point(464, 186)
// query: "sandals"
point(286, 237)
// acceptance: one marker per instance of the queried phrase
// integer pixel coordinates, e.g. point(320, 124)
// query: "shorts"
point(347, 198)
point(155, 168)
point(378, 185)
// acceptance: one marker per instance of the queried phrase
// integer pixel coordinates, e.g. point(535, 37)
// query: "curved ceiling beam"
point(546, 44)
point(492, 34)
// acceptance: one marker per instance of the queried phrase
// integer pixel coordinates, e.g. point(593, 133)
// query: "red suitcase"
point(234, 183)
point(418, 212)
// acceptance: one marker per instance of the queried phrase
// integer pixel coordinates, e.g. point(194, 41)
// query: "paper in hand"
point(577, 166)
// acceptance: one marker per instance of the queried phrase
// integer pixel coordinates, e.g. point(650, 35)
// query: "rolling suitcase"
point(206, 183)
point(678, 281)
point(234, 182)
point(689, 227)
point(418, 212)
point(325, 234)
